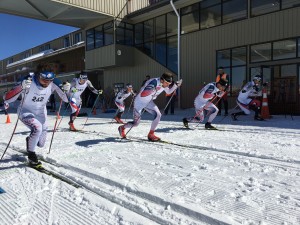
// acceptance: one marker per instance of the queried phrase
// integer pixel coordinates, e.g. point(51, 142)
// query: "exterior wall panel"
point(100, 57)
point(102, 6)
point(198, 49)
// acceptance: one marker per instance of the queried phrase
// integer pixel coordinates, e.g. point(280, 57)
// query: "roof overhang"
point(51, 11)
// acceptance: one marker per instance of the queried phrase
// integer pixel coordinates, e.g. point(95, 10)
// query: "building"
point(127, 40)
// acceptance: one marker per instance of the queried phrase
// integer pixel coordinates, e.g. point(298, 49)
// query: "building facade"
point(132, 39)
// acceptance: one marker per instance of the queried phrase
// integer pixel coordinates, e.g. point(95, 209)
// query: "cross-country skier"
point(144, 101)
point(246, 103)
point(202, 103)
point(33, 112)
point(78, 85)
point(119, 101)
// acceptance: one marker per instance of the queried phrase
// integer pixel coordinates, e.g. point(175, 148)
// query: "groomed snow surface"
point(247, 173)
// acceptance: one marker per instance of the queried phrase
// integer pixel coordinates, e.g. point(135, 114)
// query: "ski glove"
point(6, 105)
point(179, 82)
point(74, 90)
point(100, 92)
point(26, 83)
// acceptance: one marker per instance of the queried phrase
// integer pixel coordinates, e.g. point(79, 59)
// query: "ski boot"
point(118, 120)
point(33, 160)
point(152, 137)
point(234, 116)
point(209, 126)
point(121, 130)
point(258, 118)
point(185, 122)
point(72, 128)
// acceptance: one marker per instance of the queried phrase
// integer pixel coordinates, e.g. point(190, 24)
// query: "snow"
point(248, 173)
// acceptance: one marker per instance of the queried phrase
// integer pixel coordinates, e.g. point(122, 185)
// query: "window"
point(99, 36)
point(284, 49)
point(289, 3)
point(139, 33)
point(190, 18)
point(239, 56)
point(298, 47)
point(238, 78)
point(66, 42)
point(108, 33)
point(90, 39)
point(234, 10)
point(259, 7)
point(148, 31)
point(172, 54)
point(161, 51)
point(234, 62)
point(77, 37)
point(160, 27)
point(210, 17)
point(10, 60)
point(124, 33)
point(261, 52)
point(171, 24)
point(223, 58)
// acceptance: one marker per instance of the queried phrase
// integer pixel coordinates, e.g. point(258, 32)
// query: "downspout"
point(178, 48)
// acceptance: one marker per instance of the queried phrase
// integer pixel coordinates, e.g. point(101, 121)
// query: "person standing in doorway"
point(222, 75)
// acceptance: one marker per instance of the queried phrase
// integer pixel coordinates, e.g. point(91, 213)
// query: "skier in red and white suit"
point(202, 103)
point(144, 100)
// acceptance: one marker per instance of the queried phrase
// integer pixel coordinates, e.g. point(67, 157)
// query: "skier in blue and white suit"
point(78, 85)
point(33, 112)
point(144, 100)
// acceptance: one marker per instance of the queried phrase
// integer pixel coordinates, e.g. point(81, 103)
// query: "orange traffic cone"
point(265, 114)
point(94, 111)
point(7, 119)
point(57, 115)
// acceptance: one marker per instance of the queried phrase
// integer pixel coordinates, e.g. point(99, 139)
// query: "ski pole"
point(141, 113)
point(65, 111)
point(229, 113)
point(11, 137)
point(173, 94)
point(54, 129)
point(129, 108)
point(91, 111)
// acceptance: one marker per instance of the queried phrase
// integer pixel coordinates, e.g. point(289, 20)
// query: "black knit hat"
point(167, 77)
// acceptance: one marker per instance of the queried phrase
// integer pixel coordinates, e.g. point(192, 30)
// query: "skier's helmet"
point(83, 76)
point(257, 78)
point(128, 85)
point(45, 75)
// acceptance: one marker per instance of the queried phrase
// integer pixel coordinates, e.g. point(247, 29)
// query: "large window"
point(100, 36)
point(261, 52)
point(108, 33)
point(234, 62)
point(172, 54)
point(66, 42)
point(77, 37)
point(284, 49)
point(289, 3)
point(259, 7)
point(90, 36)
point(190, 18)
point(234, 10)
point(124, 33)
point(210, 14)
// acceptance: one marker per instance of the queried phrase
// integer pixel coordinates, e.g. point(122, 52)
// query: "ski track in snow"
point(246, 174)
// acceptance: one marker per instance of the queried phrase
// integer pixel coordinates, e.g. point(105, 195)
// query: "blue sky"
point(19, 34)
